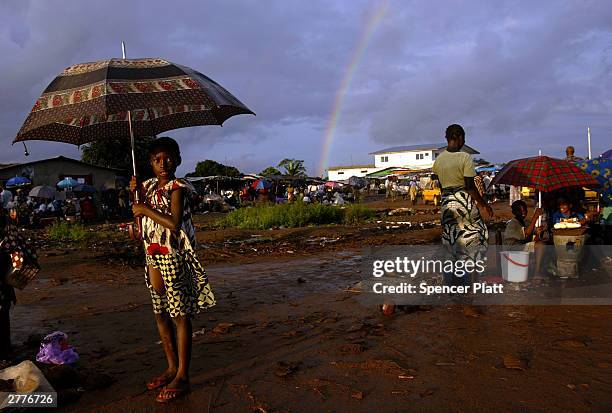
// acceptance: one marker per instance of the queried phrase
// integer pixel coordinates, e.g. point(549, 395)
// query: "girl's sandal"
point(158, 383)
point(167, 395)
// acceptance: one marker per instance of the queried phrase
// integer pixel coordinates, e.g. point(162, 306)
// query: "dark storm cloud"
point(532, 74)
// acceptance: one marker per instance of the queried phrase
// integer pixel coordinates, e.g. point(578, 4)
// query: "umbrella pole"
point(539, 200)
point(132, 144)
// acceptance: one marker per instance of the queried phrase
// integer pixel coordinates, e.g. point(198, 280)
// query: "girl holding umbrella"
point(175, 278)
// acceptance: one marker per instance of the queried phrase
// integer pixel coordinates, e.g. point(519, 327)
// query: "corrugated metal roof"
point(335, 168)
point(60, 158)
point(385, 172)
point(408, 148)
point(424, 147)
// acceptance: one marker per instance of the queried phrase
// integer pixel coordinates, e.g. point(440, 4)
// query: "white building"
point(340, 173)
point(414, 156)
point(411, 157)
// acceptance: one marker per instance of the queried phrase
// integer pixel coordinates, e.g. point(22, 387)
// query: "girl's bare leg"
point(165, 329)
point(183, 335)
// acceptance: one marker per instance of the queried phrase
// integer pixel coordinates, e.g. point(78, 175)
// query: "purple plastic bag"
point(54, 349)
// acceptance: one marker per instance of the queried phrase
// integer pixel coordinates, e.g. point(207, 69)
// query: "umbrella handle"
point(135, 230)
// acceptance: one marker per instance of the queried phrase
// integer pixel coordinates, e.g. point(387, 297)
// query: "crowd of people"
point(31, 212)
point(279, 193)
point(466, 206)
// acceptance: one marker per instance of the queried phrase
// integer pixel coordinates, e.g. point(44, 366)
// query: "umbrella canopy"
point(42, 192)
point(607, 154)
point(544, 174)
point(17, 181)
point(90, 101)
point(84, 188)
point(357, 181)
point(261, 184)
point(488, 168)
point(67, 183)
point(333, 184)
point(601, 170)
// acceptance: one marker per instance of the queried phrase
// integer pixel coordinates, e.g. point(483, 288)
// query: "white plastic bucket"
point(515, 266)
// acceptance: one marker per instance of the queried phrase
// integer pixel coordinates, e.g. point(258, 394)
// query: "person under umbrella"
point(519, 232)
point(119, 98)
point(175, 278)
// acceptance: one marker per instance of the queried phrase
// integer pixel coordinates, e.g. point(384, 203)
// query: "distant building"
point(414, 156)
point(51, 171)
point(339, 173)
point(408, 157)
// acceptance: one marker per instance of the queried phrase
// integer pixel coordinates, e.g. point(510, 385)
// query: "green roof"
point(384, 172)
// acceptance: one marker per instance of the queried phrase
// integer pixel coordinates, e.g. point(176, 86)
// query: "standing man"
point(414, 191)
point(387, 188)
point(569, 155)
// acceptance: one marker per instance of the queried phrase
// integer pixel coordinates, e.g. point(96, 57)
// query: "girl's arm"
point(174, 221)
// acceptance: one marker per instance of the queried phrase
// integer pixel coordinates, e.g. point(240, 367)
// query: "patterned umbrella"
point(544, 174)
point(600, 169)
point(92, 101)
point(120, 98)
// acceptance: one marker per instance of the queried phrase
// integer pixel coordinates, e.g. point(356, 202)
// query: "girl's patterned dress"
point(173, 254)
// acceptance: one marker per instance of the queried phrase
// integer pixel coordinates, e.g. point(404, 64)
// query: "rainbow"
point(332, 122)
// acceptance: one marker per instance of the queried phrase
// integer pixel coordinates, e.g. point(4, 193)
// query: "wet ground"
point(290, 333)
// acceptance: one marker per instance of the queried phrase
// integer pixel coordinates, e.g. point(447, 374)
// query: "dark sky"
point(518, 75)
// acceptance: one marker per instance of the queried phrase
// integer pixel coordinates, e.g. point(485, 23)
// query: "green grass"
point(294, 215)
point(65, 231)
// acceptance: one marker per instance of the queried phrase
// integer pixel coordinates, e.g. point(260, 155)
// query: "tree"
point(116, 153)
point(294, 167)
point(270, 171)
point(211, 168)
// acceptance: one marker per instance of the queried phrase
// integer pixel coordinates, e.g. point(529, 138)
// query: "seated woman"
point(565, 212)
point(519, 233)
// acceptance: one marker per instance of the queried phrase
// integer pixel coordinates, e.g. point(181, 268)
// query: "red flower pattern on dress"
point(156, 249)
